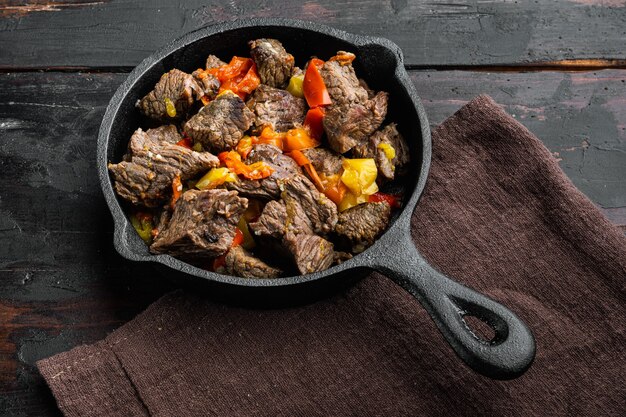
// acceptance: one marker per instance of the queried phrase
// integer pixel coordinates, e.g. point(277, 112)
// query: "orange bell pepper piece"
point(256, 171)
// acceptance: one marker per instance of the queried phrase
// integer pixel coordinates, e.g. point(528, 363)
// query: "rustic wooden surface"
point(62, 282)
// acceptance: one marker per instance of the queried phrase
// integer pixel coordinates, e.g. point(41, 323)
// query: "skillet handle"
point(508, 355)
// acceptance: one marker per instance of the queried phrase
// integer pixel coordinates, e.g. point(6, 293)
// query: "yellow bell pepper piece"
point(248, 241)
point(295, 86)
point(389, 151)
point(359, 175)
point(215, 178)
point(170, 108)
point(143, 226)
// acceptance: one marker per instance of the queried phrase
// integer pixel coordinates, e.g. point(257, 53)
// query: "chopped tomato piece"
point(315, 91)
point(391, 199)
point(238, 239)
point(314, 122)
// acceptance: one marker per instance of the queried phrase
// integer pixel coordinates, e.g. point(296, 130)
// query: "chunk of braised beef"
point(241, 263)
point(342, 84)
point(311, 253)
point(163, 220)
point(359, 226)
point(209, 83)
point(176, 86)
point(274, 64)
point(379, 145)
point(145, 176)
point(213, 62)
point(340, 257)
point(266, 188)
point(348, 125)
point(220, 125)
point(303, 199)
point(203, 224)
point(276, 108)
point(275, 221)
point(325, 161)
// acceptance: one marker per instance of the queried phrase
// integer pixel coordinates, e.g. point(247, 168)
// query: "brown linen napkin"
point(498, 214)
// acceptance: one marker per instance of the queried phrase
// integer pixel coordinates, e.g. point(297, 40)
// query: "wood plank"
point(114, 34)
point(62, 282)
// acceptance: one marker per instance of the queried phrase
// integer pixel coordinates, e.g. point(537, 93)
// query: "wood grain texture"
point(115, 33)
point(62, 282)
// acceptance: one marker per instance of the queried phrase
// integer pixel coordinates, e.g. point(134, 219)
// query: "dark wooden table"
point(559, 67)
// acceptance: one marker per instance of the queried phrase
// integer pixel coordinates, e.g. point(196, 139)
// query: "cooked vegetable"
point(170, 108)
point(215, 178)
point(185, 142)
point(248, 240)
point(344, 58)
point(220, 261)
point(359, 176)
point(177, 190)
point(197, 147)
point(391, 199)
point(388, 150)
point(142, 223)
point(334, 188)
point(297, 139)
point(255, 171)
point(314, 122)
point(295, 86)
point(314, 89)
point(239, 76)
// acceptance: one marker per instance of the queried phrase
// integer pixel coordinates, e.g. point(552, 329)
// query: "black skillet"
point(380, 63)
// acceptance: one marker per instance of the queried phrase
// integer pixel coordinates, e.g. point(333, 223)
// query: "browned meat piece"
point(341, 257)
point(301, 196)
point(389, 136)
point(276, 108)
point(267, 188)
point(177, 86)
point(209, 83)
point(348, 125)
point(275, 221)
point(241, 263)
point(213, 62)
point(163, 220)
point(203, 224)
point(324, 160)
point(293, 222)
point(219, 125)
point(311, 253)
point(359, 226)
point(274, 64)
point(145, 176)
point(342, 84)
point(370, 93)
